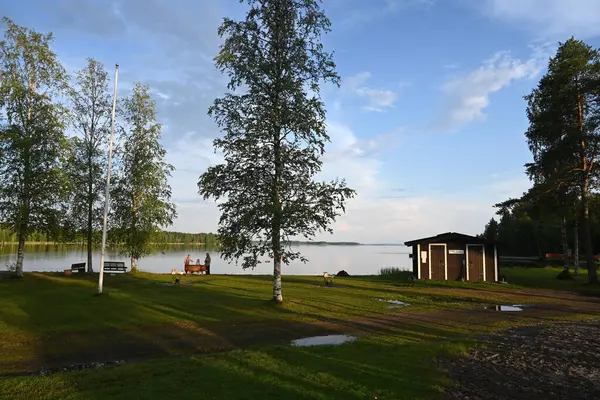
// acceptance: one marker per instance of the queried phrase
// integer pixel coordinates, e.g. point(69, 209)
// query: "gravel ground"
point(558, 361)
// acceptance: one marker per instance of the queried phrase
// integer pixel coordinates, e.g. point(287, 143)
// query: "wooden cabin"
point(454, 256)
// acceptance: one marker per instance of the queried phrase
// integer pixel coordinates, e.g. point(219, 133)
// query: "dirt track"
point(556, 361)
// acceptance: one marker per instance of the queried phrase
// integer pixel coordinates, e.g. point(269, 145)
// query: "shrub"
point(393, 271)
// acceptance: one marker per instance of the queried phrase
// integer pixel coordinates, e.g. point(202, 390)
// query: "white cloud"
point(467, 96)
point(357, 161)
point(377, 99)
point(371, 220)
point(375, 216)
point(191, 155)
point(550, 18)
point(174, 58)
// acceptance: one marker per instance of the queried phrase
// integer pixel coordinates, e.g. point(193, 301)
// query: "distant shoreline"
point(83, 244)
point(309, 243)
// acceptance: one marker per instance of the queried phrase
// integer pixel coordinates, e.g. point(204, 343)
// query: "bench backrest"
point(78, 265)
point(118, 264)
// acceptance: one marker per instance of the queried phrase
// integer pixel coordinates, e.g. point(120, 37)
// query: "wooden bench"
point(191, 268)
point(79, 267)
point(115, 266)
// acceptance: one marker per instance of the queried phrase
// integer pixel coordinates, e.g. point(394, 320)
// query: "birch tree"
point(33, 145)
point(141, 196)
point(91, 116)
point(273, 120)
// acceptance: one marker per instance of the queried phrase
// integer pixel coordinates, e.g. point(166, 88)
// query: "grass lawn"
point(219, 337)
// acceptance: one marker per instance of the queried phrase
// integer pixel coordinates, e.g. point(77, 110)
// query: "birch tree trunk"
point(90, 218)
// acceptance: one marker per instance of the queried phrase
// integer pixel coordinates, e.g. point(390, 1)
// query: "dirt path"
point(560, 361)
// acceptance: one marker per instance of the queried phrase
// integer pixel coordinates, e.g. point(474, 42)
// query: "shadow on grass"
point(57, 321)
point(63, 323)
point(356, 371)
point(52, 320)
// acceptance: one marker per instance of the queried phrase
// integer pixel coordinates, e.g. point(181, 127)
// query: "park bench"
point(328, 279)
point(115, 266)
point(191, 268)
point(79, 267)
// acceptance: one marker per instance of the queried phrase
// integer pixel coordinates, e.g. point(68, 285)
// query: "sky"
point(427, 126)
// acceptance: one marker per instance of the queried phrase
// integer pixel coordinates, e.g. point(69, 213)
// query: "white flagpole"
point(107, 195)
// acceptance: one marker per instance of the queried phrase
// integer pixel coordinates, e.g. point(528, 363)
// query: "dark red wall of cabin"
point(454, 260)
point(415, 261)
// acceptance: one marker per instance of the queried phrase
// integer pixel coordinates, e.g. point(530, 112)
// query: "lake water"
point(356, 260)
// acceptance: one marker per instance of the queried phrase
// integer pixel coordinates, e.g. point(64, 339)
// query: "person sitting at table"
point(188, 260)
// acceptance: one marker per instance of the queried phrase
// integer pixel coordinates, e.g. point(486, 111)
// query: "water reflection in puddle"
point(507, 308)
point(323, 340)
point(395, 303)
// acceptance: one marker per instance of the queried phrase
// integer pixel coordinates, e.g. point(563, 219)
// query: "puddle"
point(323, 340)
point(507, 308)
point(395, 303)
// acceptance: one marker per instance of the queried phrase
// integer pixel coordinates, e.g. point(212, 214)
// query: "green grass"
point(545, 278)
point(219, 337)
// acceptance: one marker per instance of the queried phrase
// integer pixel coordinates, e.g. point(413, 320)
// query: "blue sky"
point(427, 126)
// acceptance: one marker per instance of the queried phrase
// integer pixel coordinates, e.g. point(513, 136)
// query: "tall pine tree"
point(564, 130)
point(274, 134)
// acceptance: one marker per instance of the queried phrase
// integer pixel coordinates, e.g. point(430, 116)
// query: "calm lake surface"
point(356, 260)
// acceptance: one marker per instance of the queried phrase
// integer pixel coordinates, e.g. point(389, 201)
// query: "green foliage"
point(274, 134)
point(91, 116)
point(208, 239)
point(33, 146)
point(79, 236)
point(393, 271)
point(564, 134)
point(523, 232)
point(141, 193)
point(491, 230)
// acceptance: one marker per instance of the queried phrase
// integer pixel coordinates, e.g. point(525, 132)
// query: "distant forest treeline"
point(521, 231)
point(164, 237)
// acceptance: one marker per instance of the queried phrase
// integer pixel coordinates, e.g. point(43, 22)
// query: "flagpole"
point(107, 195)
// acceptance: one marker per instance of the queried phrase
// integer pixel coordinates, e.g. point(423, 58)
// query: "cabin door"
point(437, 260)
point(475, 262)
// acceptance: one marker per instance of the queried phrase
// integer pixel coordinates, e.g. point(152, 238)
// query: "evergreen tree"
point(32, 140)
point(141, 193)
point(564, 134)
point(274, 134)
point(491, 230)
